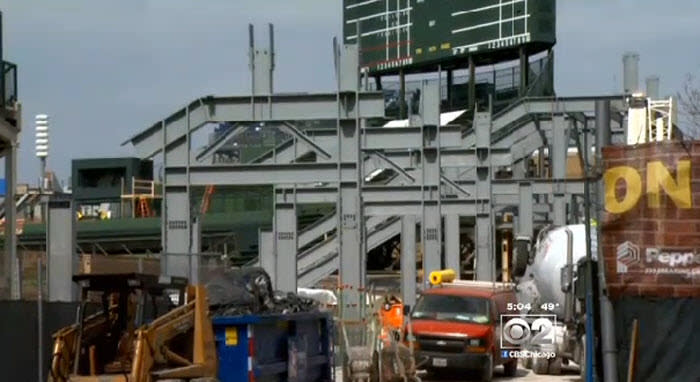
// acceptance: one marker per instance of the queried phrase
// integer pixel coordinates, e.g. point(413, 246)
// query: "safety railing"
point(502, 85)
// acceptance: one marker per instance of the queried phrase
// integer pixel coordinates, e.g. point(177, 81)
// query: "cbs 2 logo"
point(517, 330)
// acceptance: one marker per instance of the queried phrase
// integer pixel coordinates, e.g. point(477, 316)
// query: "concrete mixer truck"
point(551, 295)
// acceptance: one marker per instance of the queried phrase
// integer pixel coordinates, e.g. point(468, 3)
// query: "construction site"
point(442, 214)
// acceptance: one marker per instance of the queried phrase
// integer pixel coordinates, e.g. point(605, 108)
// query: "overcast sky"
point(104, 70)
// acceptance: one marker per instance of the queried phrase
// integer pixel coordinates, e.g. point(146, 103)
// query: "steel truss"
point(442, 174)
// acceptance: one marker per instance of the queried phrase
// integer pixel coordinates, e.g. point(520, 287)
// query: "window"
point(452, 308)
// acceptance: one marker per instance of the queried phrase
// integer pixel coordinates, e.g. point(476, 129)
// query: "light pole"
point(42, 145)
point(42, 152)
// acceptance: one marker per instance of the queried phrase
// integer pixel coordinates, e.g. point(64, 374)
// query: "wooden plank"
point(101, 264)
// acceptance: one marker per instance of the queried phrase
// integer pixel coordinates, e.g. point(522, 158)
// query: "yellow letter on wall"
point(678, 190)
point(633, 191)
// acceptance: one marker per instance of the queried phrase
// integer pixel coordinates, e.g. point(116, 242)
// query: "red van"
point(456, 329)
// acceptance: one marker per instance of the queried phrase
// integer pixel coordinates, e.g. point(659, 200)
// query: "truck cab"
point(455, 329)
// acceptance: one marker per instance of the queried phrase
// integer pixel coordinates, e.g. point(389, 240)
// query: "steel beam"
point(408, 260)
point(452, 243)
point(177, 243)
point(525, 214)
point(558, 152)
point(393, 138)
point(273, 108)
point(259, 174)
point(431, 221)
point(485, 264)
point(285, 239)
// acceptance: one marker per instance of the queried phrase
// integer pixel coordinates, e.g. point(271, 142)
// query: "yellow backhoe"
point(149, 328)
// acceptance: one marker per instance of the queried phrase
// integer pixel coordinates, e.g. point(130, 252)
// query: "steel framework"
point(442, 173)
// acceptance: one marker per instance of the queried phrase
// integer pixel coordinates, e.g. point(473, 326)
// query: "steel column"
point(408, 260)
point(558, 153)
point(431, 222)
point(485, 260)
point(452, 242)
point(176, 244)
point(285, 239)
point(351, 223)
point(525, 216)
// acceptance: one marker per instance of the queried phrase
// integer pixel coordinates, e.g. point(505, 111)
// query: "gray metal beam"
point(525, 215)
point(285, 239)
point(258, 174)
point(432, 138)
point(558, 152)
point(408, 260)
point(177, 243)
point(452, 242)
point(393, 138)
point(307, 140)
point(273, 108)
point(485, 264)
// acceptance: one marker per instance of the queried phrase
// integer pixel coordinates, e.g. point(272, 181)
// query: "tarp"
point(668, 342)
point(19, 334)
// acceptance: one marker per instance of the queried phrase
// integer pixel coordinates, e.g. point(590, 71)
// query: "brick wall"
point(643, 235)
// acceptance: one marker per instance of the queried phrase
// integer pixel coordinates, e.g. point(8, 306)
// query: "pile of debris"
point(235, 292)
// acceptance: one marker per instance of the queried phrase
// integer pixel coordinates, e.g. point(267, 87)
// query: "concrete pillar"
point(558, 152)
point(62, 261)
point(452, 255)
point(408, 260)
point(285, 239)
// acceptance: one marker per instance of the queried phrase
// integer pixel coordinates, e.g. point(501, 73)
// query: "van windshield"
point(452, 308)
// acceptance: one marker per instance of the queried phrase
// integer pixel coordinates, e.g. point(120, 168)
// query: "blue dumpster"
point(282, 347)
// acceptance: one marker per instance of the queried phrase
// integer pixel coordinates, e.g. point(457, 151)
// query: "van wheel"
point(527, 363)
point(510, 368)
point(487, 371)
point(540, 366)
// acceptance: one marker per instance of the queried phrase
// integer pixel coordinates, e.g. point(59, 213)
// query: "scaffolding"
point(140, 198)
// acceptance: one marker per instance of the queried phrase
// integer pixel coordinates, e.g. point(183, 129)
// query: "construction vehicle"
point(552, 284)
point(455, 326)
point(143, 328)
